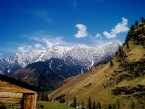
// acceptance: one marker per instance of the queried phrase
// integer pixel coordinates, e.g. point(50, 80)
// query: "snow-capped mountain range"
point(85, 55)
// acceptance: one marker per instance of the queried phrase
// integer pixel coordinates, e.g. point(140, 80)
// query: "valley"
point(121, 80)
point(72, 54)
point(47, 69)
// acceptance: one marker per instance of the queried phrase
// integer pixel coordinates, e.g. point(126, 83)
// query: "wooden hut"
point(15, 93)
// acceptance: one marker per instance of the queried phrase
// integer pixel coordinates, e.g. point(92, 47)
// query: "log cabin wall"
point(13, 95)
point(29, 101)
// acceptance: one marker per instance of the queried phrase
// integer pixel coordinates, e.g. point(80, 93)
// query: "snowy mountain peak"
point(85, 55)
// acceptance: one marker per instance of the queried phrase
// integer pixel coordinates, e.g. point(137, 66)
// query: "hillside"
point(120, 82)
point(48, 75)
point(48, 68)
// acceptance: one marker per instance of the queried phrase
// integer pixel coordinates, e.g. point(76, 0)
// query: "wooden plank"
point(11, 95)
point(16, 90)
point(10, 101)
point(28, 101)
point(7, 87)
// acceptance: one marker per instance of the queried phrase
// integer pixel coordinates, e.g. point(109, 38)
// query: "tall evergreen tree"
point(114, 106)
point(136, 23)
point(94, 105)
point(118, 104)
point(89, 103)
point(132, 105)
point(83, 105)
point(99, 105)
point(109, 106)
point(121, 53)
point(75, 102)
point(111, 63)
point(142, 20)
point(63, 100)
point(127, 45)
point(60, 100)
point(132, 27)
point(143, 29)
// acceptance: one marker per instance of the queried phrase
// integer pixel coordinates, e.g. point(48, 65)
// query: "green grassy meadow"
point(52, 105)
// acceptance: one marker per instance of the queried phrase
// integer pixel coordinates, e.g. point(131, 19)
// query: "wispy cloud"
point(51, 42)
point(96, 41)
point(39, 46)
point(43, 15)
point(119, 28)
point(4, 51)
point(47, 42)
point(98, 36)
point(42, 41)
point(24, 48)
point(36, 35)
point(82, 31)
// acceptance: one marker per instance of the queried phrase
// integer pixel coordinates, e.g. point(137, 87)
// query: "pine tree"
point(60, 100)
point(127, 45)
point(132, 28)
point(83, 105)
point(118, 104)
point(111, 63)
point(99, 105)
point(114, 106)
point(121, 53)
point(75, 102)
point(94, 105)
point(136, 23)
point(142, 20)
point(109, 106)
point(63, 100)
point(132, 105)
point(89, 103)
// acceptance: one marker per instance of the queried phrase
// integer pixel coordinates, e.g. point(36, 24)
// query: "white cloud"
point(82, 31)
point(98, 36)
point(99, 42)
point(49, 42)
point(43, 15)
point(41, 40)
point(24, 48)
point(109, 35)
point(39, 46)
point(45, 41)
point(119, 28)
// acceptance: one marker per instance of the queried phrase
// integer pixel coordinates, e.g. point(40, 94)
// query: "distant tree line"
point(137, 32)
point(94, 105)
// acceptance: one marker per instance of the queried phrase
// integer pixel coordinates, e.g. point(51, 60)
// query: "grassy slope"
point(52, 105)
point(92, 83)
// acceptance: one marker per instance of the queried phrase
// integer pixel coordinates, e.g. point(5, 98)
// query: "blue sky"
point(42, 24)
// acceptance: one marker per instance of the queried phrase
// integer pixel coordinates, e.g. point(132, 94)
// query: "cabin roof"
point(19, 83)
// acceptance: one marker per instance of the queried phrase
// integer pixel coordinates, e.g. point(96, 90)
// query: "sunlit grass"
point(51, 105)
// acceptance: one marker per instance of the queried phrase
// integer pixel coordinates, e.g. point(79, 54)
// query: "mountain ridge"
point(90, 55)
point(119, 83)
